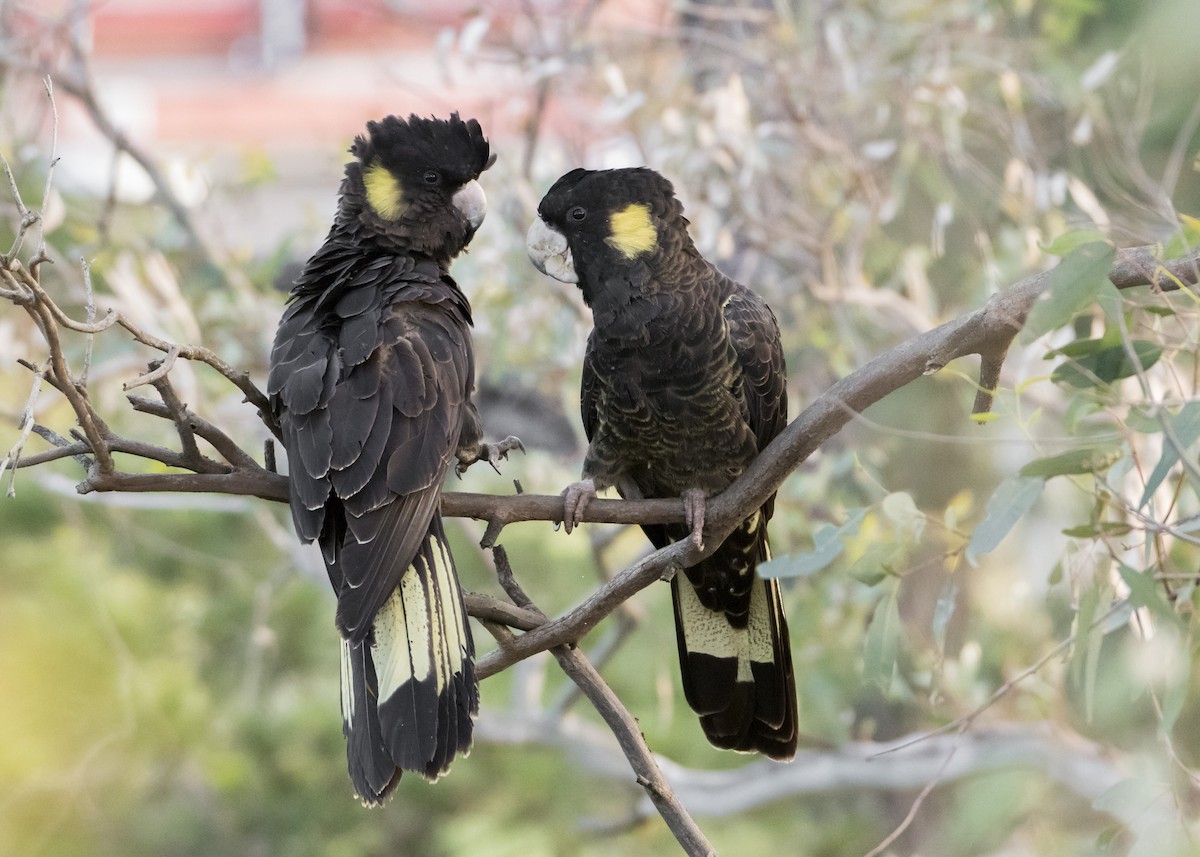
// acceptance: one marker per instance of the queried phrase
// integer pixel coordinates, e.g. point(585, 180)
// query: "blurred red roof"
point(193, 71)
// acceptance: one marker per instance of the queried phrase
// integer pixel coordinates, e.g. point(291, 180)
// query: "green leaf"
point(1119, 798)
point(1008, 504)
point(943, 611)
point(1068, 241)
point(883, 641)
point(1184, 240)
point(1105, 365)
point(1087, 459)
point(868, 573)
point(1144, 591)
point(1187, 429)
point(1082, 347)
point(1176, 692)
point(1143, 418)
point(827, 547)
point(1085, 659)
point(1078, 280)
point(1156, 309)
point(1098, 528)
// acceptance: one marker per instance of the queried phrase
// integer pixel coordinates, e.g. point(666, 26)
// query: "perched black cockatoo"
point(683, 385)
point(372, 374)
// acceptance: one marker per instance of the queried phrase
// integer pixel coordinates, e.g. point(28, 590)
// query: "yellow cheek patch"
point(632, 231)
point(383, 192)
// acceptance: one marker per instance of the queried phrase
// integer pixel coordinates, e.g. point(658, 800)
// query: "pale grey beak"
point(471, 202)
point(549, 252)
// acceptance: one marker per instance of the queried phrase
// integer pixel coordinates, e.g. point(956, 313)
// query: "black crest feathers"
point(458, 145)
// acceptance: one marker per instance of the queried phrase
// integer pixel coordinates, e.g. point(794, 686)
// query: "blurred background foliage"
point(168, 664)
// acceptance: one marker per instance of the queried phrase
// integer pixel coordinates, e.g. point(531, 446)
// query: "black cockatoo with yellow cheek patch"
point(683, 384)
point(371, 379)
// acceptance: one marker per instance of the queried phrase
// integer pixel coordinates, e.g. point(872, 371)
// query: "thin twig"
point(918, 801)
point(629, 735)
point(52, 162)
point(623, 724)
point(58, 452)
point(93, 427)
point(28, 218)
point(79, 86)
point(78, 450)
point(197, 353)
point(999, 693)
point(220, 441)
point(49, 308)
point(90, 308)
point(12, 458)
point(158, 370)
point(180, 415)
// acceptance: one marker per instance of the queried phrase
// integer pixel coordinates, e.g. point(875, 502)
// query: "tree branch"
point(987, 331)
point(623, 724)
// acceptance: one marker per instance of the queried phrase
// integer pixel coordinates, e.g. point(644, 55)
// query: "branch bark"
point(987, 331)
point(624, 726)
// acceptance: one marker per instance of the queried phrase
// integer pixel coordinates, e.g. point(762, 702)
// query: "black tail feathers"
point(409, 693)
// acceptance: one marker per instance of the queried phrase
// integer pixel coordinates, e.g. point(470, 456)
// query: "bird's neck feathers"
point(639, 300)
point(408, 233)
point(672, 265)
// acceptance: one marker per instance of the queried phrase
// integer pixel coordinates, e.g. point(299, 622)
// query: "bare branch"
point(12, 459)
point(1076, 763)
point(46, 312)
point(53, 162)
point(200, 354)
point(69, 450)
point(78, 84)
point(236, 482)
point(629, 736)
point(90, 308)
point(78, 451)
point(158, 370)
point(62, 379)
point(220, 441)
point(28, 218)
point(987, 331)
point(917, 802)
point(489, 609)
point(623, 724)
point(575, 624)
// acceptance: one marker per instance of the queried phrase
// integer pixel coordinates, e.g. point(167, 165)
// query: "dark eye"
point(578, 213)
point(432, 177)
